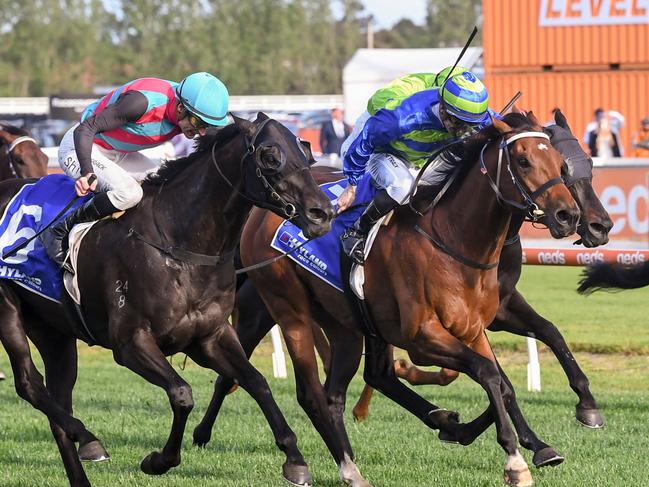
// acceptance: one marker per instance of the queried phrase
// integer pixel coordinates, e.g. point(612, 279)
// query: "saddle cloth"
point(31, 209)
point(321, 256)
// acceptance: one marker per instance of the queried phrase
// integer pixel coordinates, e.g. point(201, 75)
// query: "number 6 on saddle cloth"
point(30, 212)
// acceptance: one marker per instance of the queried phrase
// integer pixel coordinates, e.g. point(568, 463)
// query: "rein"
point(196, 258)
point(288, 209)
point(531, 209)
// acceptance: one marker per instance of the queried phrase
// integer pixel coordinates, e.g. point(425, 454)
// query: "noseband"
point(529, 207)
point(288, 209)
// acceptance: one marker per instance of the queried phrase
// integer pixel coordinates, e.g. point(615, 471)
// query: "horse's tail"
point(613, 276)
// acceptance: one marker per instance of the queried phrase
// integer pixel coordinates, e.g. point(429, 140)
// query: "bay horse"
point(423, 300)
point(515, 315)
point(609, 277)
point(20, 155)
point(160, 280)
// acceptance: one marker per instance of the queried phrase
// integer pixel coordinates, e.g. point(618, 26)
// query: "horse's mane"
point(473, 145)
point(170, 169)
point(471, 148)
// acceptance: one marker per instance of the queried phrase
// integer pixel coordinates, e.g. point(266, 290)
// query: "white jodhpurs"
point(393, 174)
point(123, 189)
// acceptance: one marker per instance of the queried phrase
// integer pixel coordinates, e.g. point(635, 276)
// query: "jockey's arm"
point(379, 131)
point(128, 108)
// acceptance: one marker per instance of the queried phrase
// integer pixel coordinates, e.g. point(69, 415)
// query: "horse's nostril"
point(597, 229)
point(562, 216)
point(318, 215)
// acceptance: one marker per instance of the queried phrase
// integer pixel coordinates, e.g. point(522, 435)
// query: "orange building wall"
point(514, 39)
point(578, 95)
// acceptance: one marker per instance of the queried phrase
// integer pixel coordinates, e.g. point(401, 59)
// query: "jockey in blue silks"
point(404, 134)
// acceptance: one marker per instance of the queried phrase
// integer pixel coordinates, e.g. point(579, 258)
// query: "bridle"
point(529, 207)
point(289, 210)
point(13, 145)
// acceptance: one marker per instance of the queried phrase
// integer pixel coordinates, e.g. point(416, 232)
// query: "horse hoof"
point(444, 419)
point(155, 464)
point(519, 478)
point(446, 437)
point(547, 457)
point(93, 452)
point(359, 416)
point(591, 418)
point(297, 475)
point(201, 438)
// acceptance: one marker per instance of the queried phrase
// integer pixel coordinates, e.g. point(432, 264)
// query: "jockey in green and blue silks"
point(395, 138)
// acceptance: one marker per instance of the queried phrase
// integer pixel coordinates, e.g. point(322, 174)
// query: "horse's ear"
point(500, 126)
point(561, 120)
point(532, 118)
point(261, 116)
point(520, 111)
point(245, 126)
point(306, 148)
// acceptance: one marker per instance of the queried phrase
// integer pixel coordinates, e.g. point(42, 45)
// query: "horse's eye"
point(523, 162)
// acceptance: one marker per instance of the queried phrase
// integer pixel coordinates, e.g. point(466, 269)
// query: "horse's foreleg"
point(544, 454)
point(312, 397)
point(346, 352)
point(520, 318)
point(223, 353)
point(252, 324)
point(143, 356)
point(379, 374)
point(443, 349)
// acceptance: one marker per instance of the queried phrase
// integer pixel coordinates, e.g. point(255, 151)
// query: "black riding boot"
point(353, 240)
point(54, 239)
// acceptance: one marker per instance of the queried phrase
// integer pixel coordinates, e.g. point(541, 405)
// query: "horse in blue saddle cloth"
point(160, 280)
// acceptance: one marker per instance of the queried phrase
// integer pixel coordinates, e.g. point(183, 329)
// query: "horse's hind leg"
point(29, 386)
point(223, 353)
point(59, 354)
point(143, 356)
point(520, 318)
point(252, 324)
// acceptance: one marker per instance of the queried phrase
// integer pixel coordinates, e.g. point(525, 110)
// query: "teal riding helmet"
point(465, 97)
point(206, 97)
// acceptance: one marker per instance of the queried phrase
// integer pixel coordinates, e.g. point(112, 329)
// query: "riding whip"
point(509, 105)
point(25, 243)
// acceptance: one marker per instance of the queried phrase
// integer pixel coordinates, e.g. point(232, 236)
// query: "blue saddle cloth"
point(321, 256)
point(32, 208)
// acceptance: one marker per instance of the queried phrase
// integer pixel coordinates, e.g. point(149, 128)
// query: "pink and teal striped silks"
point(157, 125)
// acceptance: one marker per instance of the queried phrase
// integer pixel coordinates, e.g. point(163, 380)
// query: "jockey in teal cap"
point(404, 134)
point(143, 113)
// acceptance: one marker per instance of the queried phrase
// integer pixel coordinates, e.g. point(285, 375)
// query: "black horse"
point(609, 277)
point(514, 313)
point(160, 280)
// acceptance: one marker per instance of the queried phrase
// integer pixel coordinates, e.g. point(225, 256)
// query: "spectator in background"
point(615, 123)
point(641, 140)
point(332, 135)
point(604, 140)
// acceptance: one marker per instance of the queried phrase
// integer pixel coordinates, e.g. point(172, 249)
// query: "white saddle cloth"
point(74, 242)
